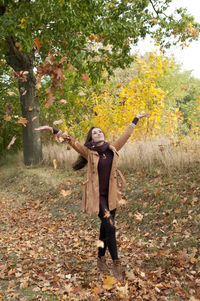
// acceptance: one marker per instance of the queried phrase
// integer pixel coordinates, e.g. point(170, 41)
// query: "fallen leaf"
point(65, 192)
point(108, 282)
point(24, 285)
point(138, 217)
point(193, 260)
point(123, 290)
point(97, 290)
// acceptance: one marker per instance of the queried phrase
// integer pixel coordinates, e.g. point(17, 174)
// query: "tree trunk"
point(29, 104)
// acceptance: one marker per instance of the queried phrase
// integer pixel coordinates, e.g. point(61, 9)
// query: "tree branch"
point(156, 11)
point(16, 58)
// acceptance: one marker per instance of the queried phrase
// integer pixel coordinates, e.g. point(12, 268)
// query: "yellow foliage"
point(141, 95)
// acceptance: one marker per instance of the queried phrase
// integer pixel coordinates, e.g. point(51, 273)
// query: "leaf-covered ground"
point(48, 246)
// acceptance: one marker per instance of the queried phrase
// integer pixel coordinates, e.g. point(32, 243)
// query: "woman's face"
point(97, 135)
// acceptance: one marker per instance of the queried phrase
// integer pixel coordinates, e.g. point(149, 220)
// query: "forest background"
point(105, 86)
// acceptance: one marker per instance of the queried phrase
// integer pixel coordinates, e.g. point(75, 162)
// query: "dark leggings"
point(107, 232)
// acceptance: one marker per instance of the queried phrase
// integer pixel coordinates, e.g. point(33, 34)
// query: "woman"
point(101, 193)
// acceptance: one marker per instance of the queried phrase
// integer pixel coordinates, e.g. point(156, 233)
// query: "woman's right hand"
point(44, 128)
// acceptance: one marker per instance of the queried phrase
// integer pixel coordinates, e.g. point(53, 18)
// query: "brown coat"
point(90, 200)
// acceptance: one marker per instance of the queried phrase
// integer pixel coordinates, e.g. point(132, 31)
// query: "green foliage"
point(9, 105)
point(99, 33)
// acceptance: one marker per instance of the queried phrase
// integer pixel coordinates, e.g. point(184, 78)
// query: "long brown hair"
point(81, 161)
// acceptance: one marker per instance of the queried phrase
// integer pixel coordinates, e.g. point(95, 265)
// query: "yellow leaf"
point(55, 163)
point(97, 290)
point(193, 260)
point(108, 282)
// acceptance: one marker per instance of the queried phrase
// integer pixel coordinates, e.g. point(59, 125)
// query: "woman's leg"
point(108, 232)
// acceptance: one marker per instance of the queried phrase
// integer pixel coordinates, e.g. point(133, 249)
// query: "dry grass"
point(146, 154)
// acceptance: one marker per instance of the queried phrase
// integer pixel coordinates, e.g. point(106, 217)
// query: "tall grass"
point(148, 154)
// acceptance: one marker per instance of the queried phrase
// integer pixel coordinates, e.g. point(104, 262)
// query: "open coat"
point(90, 199)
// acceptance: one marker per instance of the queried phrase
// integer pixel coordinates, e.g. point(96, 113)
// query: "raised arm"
point(119, 143)
point(65, 138)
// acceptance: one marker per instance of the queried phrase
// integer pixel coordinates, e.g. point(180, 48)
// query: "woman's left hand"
point(142, 115)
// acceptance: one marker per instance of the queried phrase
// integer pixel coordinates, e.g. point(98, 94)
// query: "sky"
point(189, 57)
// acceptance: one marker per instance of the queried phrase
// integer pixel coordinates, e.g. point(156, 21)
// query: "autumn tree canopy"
point(90, 36)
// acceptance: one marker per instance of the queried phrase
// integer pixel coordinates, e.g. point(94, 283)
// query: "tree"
point(90, 35)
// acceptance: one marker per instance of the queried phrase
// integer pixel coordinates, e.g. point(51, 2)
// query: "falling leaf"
point(57, 122)
point(7, 117)
point(38, 44)
point(50, 98)
point(30, 108)
point(64, 101)
point(11, 142)
point(55, 163)
point(35, 117)
point(85, 77)
point(70, 67)
point(100, 244)
point(107, 213)
point(65, 192)
point(81, 93)
point(24, 93)
point(63, 59)
point(11, 93)
point(23, 121)
point(8, 109)
point(108, 282)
